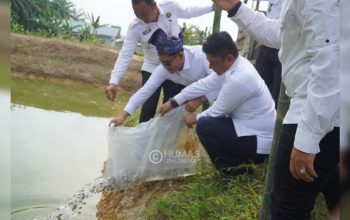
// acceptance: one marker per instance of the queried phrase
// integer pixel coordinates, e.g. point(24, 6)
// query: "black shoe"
point(230, 172)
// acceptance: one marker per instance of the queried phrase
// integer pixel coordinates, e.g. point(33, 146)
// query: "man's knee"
point(203, 124)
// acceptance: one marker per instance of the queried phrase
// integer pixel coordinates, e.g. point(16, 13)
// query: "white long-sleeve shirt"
point(345, 81)
point(307, 34)
point(196, 66)
point(243, 96)
point(138, 31)
point(274, 9)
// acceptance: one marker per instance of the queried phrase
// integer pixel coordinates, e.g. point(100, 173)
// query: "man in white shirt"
point(238, 128)
point(267, 62)
point(307, 34)
point(182, 65)
point(149, 17)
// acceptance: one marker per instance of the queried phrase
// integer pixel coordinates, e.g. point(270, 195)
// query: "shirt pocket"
point(274, 2)
point(286, 15)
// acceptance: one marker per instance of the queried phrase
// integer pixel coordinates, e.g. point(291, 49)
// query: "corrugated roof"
point(105, 30)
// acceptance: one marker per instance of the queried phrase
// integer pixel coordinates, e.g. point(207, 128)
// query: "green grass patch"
point(204, 196)
point(62, 95)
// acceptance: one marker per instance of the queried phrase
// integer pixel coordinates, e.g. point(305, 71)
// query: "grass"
point(205, 197)
point(60, 95)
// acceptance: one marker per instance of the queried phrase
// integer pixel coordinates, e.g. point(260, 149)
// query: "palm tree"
point(63, 7)
point(22, 12)
point(95, 23)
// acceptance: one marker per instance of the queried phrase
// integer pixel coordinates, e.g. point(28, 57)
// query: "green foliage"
point(62, 96)
point(193, 35)
point(49, 18)
point(67, 30)
point(43, 16)
point(205, 197)
point(95, 23)
point(16, 27)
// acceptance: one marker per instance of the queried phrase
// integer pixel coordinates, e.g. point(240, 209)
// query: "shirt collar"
point(161, 11)
point(234, 66)
point(187, 60)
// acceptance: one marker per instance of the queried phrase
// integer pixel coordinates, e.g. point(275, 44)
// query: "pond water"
point(53, 154)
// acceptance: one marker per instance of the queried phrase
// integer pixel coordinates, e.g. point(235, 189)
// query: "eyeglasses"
point(169, 61)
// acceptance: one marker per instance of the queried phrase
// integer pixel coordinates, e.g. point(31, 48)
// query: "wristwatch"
point(173, 103)
point(234, 10)
point(204, 100)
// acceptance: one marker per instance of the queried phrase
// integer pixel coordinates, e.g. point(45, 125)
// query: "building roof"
point(104, 30)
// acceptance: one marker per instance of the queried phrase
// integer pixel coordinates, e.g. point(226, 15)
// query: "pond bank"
point(51, 58)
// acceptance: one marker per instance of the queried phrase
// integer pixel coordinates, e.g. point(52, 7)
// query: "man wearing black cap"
point(149, 17)
point(182, 65)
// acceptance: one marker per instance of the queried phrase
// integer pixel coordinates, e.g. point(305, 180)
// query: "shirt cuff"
point(180, 98)
point(307, 142)
point(244, 13)
point(234, 10)
point(114, 81)
point(115, 78)
point(129, 109)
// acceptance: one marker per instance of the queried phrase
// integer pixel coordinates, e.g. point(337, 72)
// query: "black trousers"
point(270, 69)
point(149, 108)
point(218, 137)
point(294, 199)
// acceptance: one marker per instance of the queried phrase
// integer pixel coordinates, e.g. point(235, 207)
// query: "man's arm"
point(122, 63)
point(158, 76)
point(205, 88)
point(266, 31)
point(320, 21)
point(189, 11)
point(323, 94)
point(208, 86)
point(226, 101)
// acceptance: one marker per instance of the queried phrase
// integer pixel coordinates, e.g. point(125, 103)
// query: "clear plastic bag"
point(161, 148)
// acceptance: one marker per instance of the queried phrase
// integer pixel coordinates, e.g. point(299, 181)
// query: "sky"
point(120, 13)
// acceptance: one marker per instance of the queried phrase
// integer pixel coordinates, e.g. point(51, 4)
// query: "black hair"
point(220, 44)
point(148, 2)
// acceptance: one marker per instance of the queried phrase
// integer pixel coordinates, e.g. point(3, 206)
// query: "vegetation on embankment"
point(61, 59)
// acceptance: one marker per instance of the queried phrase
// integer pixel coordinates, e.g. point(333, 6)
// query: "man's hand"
point(190, 119)
point(165, 108)
point(193, 104)
point(111, 91)
point(118, 120)
point(226, 5)
point(302, 165)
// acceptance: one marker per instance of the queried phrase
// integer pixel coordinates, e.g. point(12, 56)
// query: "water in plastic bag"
point(161, 148)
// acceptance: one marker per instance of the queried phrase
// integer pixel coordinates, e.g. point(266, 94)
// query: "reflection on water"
point(53, 155)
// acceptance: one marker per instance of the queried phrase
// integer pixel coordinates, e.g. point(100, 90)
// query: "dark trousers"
point(294, 199)
point(149, 108)
point(270, 69)
point(218, 137)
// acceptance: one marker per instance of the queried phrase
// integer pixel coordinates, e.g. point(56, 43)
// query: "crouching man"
point(238, 128)
point(180, 64)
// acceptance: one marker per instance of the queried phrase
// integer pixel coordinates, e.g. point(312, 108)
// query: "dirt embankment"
point(127, 204)
point(64, 60)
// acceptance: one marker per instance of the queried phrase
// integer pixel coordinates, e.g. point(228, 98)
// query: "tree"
point(192, 35)
point(40, 15)
point(22, 12)
point(95, 23)
point(64, 8)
